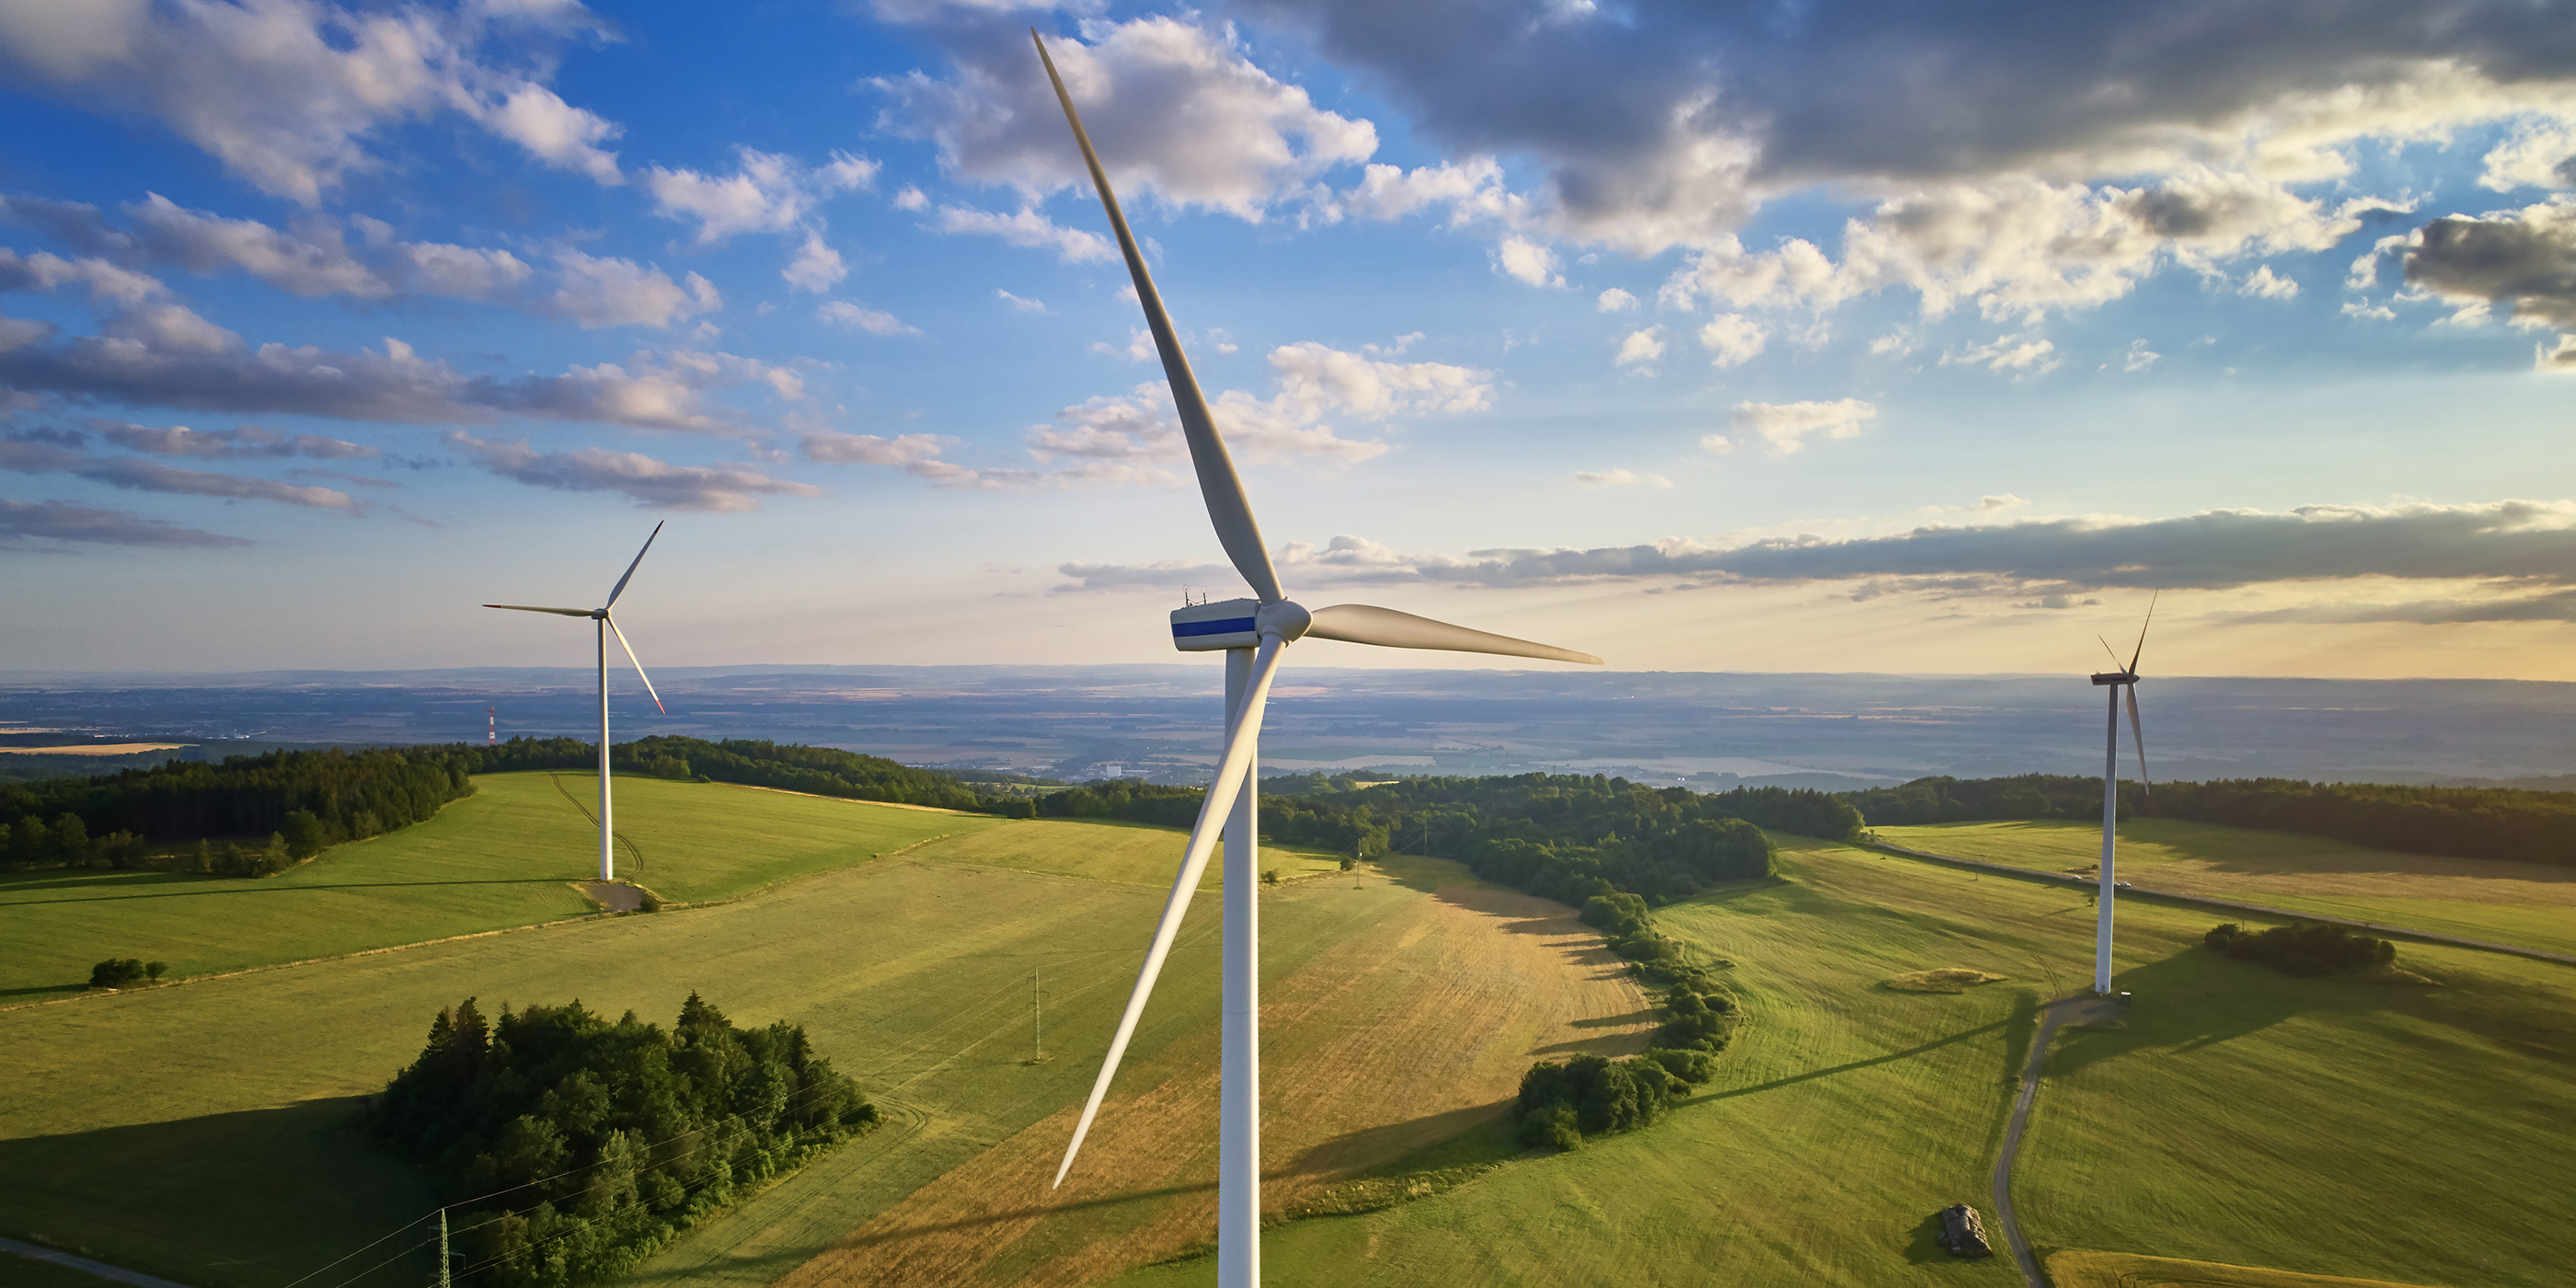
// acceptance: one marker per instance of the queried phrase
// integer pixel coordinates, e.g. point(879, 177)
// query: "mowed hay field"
point(2530, 905)
point(2243, 1117)
point(204, 1132)
point(1390, 1024)
point(505, 856)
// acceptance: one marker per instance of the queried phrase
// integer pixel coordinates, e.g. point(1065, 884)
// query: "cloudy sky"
point(1850, 336)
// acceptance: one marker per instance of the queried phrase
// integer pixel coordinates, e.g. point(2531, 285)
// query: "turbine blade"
point(1230, 773)
point(530, 608)
point(2142, 631)
point(2141, 736)
point(1363, 624)
point(639, 666)
point(630, 568)
point(2106, 647)
point(1228, 508)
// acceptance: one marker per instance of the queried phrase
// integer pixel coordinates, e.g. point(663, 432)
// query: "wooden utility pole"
point(442, 1248)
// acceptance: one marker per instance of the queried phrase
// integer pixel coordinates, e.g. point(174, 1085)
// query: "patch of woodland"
point(2455, 822)
point(2304, 948)
point(1563, 1102)
point(251, 816)
point(1566, 837)
point(567, 1147)
point(126, 972)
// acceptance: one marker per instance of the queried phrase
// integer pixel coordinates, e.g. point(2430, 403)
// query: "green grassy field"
point(2528, 904)
point(2242, 1116)
point(204, 1132)
point(502, 857)
point(1134, 853)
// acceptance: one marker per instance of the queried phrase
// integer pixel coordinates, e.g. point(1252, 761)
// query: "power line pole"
point(442, 1248)
point(1037, 1017)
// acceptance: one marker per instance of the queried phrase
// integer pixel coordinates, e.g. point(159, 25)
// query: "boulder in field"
point(1963, 1233)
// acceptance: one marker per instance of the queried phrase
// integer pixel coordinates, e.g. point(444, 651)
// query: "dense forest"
point(2462, 822)
point(569, 1147)
point(1565, 836)
point(252, 815)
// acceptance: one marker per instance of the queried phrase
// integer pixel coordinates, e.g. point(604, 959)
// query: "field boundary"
point(2232, 905)
point(119, 1274)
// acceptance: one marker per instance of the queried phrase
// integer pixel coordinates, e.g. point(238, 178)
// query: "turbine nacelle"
point(1236, 623)
point(2116, 677)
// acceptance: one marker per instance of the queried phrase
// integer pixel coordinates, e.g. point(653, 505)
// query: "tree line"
point(569, 1148)
point(254, 815)
point(1563, 836)
point(2458, 822)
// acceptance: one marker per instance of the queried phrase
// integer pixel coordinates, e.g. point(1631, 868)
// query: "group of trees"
point(2306, 948)
point(1957, 800)
point(1563, 1102)
point(126, 972)
point(1565, 836)
point(254, 815)
point(571, 1147)
point(2463, 822)
point(301, 800)
point(31, 842)
point(822, 771)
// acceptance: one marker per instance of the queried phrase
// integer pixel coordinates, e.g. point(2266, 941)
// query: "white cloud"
point(33, 455)
point(911, 198)
point(1139, 346)
point(1471, 189)
point(1716, 444)
point(1786, 426)
point(2139, 357)
point(767, 193)
point(598, 291)
point(1618, 478)
point(2029, 355)
point(1639, 348)
point(1615, 300)
point(1733, 339)
point(872, 321)
point(288, 93)
point(1527, 261)
point(817, 267)
point(1177, 111)
point(652, 483)
point(2264, 284)
point(1019, 304)
point(1031, 229)
point(2526, 257)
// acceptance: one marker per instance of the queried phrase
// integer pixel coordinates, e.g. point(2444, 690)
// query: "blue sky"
point(1702, 337)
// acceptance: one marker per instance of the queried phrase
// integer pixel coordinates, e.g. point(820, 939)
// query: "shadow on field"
point(2197, 998)
point(76, 877)
point(288, 889)
point(228, 1200)
point(1393, 1141)
point(1813, 1074)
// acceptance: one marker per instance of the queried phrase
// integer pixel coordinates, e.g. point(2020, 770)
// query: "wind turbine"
point(607, 626)
point(2123, 682)
point(1252, 633)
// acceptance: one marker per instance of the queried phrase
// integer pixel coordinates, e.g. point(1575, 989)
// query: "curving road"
point(2081, 1009)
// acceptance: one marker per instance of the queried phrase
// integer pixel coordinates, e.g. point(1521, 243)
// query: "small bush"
point(116, 972)
point(1550, 1127)
point(2307, 948)
point(156, 970)
point(1270, 877)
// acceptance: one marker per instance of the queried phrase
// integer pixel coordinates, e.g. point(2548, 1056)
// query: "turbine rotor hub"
point(1286, 619)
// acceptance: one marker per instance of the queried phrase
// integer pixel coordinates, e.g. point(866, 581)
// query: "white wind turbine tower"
point(607, 626)
point(1252, 632)
point(2123, 682)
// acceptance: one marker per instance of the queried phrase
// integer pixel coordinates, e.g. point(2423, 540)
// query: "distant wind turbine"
point(2123, 682)
point(1252, 632)
point(607, 627)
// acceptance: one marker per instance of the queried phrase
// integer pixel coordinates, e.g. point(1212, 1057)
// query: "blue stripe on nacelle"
point(1230, 626)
